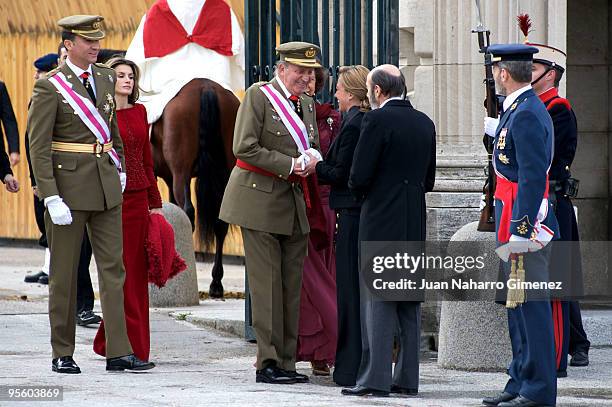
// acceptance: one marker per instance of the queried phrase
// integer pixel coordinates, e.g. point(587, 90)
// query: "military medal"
point(311, 135)
point(501, 142)
point(522, 229)
point(111, 106)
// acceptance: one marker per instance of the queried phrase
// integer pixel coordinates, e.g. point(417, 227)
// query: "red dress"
point(318, 326)
point(140, 195)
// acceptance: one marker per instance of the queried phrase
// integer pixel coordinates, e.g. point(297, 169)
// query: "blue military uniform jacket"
point(523, 153)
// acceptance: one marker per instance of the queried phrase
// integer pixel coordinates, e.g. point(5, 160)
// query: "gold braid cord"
point(516, 295)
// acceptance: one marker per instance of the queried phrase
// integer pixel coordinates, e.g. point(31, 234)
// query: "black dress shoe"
point(580, 359)
point(44, 280)
point(87, 317)
point(273, 375)
point(33, 278)
point(65, 364)
point(403, 390)
point(364, 391)
point(500, 398)
point(299, 378)
point(128, 362)
point(521, 401)
point(561, 373)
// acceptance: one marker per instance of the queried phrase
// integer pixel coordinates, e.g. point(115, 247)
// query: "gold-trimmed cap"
point(86, 26)
point(299, 53)
point(548, 55)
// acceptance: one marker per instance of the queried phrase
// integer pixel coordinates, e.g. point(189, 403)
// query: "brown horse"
point(193, 138)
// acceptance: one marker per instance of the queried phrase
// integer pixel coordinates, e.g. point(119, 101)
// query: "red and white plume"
point(524, 22)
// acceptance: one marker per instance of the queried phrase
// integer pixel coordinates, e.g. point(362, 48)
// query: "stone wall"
point(589, 89)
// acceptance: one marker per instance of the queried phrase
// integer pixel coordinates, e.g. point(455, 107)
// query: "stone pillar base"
point(474, 334)
point(182, 290)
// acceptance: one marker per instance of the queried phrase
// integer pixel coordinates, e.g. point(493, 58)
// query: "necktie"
point(87, 84)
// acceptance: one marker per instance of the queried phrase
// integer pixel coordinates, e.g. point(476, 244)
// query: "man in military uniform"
point(267, 197)
point(525, 224)
point(77, 158)
point(548, 68)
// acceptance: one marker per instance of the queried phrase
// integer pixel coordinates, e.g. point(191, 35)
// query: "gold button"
point(254, 185)
point(566, 168)
point(280, 175)
point(278, 133)
point(59, 165)
point(98, 155)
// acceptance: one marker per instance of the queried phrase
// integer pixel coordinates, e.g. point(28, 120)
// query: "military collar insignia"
point(503, 158)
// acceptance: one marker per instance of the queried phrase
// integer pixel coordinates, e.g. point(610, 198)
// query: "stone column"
point(445, 72)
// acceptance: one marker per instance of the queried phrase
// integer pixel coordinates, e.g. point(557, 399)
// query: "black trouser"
point(85, 293)
point(348, 351)
point(39, 214)
point(578, 341)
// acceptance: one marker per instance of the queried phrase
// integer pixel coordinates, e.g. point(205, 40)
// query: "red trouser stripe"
point(558, 328)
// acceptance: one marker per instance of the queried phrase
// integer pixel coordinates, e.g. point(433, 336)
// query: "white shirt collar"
point(393, 98)
point(77, 71)
point(511, 98)
point(283, 87)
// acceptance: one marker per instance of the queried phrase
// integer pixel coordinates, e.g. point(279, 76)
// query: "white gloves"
point(58, 210)
point(518, 244)
point(316, 153)
point(123, 180)
point(483, 202)
point(304, 159)
point(490, 126)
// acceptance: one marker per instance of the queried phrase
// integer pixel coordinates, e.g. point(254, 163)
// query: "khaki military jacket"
point(256, 201)
point(85, 181)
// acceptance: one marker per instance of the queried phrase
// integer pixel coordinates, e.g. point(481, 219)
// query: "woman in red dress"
point(140, 198)
point(318, 326)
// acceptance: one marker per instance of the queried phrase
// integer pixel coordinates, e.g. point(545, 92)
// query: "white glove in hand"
point(123, 180)
point(316, 153)
point(518, 244)
point(483, 202)
point(302, 161)
point(58, 210)
point(490, 126)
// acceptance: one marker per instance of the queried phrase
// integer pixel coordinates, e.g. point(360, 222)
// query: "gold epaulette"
point(52, 72)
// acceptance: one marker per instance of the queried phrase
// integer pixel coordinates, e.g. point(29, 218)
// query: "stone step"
point(459, 185)
point(460, 172)
point(453, 199)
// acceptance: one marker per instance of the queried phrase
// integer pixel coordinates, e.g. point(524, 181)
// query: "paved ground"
point(200, 366)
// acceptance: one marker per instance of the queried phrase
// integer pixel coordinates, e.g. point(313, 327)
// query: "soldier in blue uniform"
point(548, 68)
point(522, 155)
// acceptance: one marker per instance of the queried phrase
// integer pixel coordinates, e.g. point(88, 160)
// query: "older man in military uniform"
point(525, 224)
point(266, 195)
point(77, 158)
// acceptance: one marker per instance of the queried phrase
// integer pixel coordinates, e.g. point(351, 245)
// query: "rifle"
point(487, 215)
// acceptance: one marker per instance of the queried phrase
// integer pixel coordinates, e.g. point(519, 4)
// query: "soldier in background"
point(548, 68)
